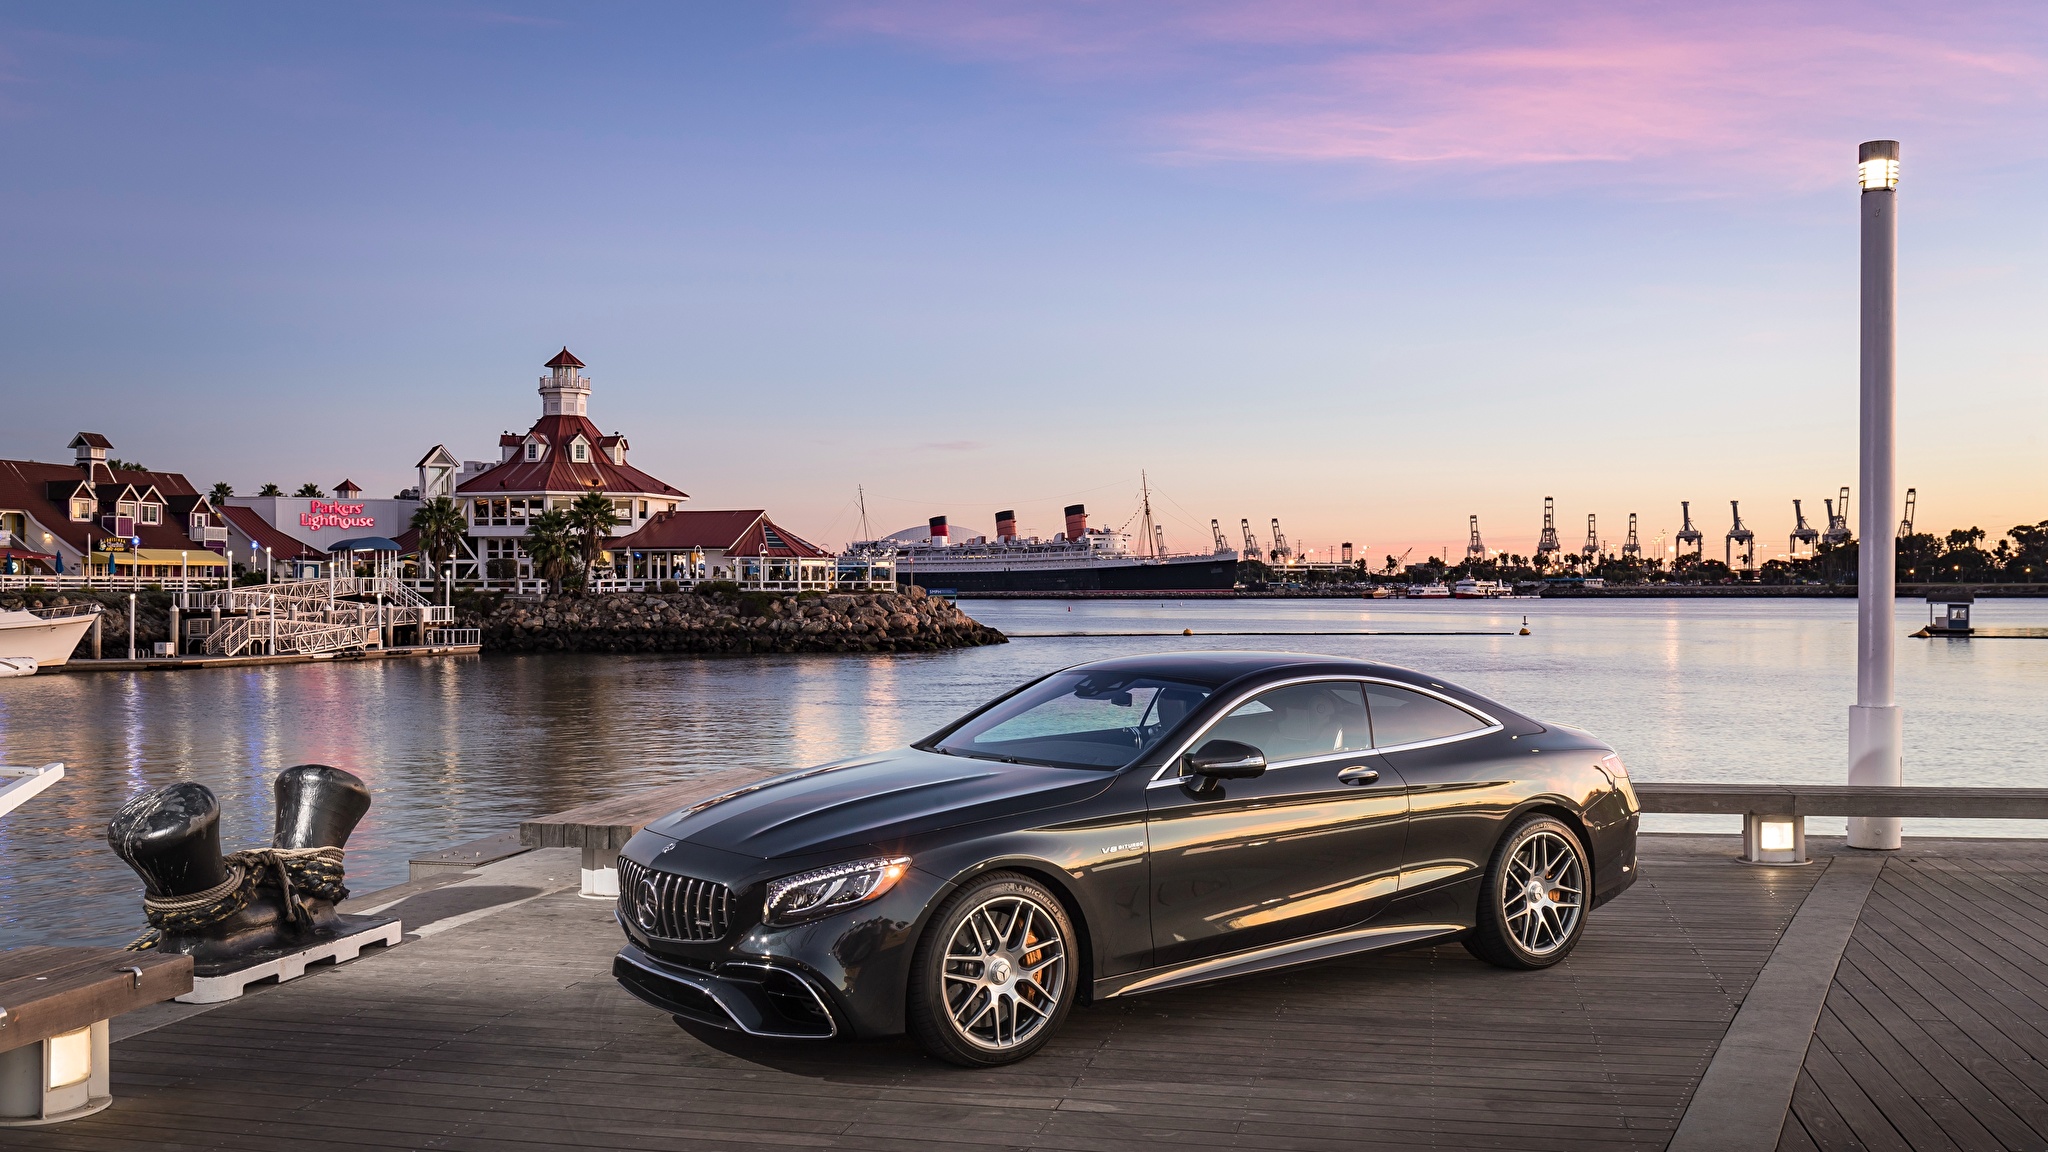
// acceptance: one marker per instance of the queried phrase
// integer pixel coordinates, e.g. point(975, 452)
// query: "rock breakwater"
point(727, 622)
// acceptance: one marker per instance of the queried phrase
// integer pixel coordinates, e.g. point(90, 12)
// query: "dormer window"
point(579, 452)
point(81, 507)
point(125, 509)
point(152, 514)
point(532, 450)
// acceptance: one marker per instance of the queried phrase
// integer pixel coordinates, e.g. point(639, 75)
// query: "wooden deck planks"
point(508, 1033)
point(1936, 1029)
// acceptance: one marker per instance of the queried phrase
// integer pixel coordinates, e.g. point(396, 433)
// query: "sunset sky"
point(1368, 268)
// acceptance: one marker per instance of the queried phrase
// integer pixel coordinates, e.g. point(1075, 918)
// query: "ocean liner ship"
point(1081, 559)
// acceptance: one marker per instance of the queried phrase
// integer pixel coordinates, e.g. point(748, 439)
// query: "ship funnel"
point(1077, 521)
point(1006, 526)
point(939, 535)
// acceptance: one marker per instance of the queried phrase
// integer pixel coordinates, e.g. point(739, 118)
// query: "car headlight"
point(826, 890)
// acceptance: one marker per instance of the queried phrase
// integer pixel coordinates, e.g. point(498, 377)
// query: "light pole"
point(1875, 735)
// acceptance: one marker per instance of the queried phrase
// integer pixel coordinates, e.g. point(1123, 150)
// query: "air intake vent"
point(671, 907)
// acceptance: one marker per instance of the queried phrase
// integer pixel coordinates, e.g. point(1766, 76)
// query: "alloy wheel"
point(1005, 972)
point(1542, 893)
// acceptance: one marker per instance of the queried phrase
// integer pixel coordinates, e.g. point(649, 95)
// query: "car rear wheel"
point(1532, 908)
point(993, 977)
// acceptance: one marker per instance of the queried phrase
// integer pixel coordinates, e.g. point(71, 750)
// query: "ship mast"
point(861, 494)
point(1152, 548)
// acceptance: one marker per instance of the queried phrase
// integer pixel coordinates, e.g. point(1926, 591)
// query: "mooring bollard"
point(258, 914)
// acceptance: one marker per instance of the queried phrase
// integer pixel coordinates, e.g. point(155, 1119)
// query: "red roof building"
point(743, 546)
point(89, 517)
point(564, 456)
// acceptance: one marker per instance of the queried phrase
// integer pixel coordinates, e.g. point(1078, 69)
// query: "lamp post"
point(1875, 735)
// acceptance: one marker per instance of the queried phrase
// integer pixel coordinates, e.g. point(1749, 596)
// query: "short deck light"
point(58, 1078)
point(1773, 839)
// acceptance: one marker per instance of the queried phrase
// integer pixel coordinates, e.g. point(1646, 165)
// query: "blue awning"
point(365, 544)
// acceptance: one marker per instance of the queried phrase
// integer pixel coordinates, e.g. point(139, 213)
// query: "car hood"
point(873, 799)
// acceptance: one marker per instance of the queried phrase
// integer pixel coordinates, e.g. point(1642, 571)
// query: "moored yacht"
point(46, 635)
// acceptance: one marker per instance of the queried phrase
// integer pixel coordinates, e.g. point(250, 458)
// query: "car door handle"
point(1358, 774)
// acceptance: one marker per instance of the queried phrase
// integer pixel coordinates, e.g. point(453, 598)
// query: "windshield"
point(1078, 720)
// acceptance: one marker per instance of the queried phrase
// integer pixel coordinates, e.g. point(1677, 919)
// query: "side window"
point(1403, 717)
point(1298, 721)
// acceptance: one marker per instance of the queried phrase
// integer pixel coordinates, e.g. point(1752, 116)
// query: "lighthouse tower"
point(565, 391)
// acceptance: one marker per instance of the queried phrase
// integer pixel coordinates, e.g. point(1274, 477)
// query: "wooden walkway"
point(505, 1032)
point(1935, 1034)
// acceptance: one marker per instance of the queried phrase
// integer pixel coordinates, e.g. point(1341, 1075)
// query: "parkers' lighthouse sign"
point(325, 514)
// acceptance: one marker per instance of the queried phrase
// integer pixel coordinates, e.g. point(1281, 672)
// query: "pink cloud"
point(1672, 95)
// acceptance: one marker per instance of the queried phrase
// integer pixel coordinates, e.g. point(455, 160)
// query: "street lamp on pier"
point(1875, 736)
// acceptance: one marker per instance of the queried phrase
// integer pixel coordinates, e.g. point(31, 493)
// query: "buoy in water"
point(1525, 625)
point(1187, 631)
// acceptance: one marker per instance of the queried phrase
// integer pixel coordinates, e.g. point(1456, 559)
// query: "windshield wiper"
point(989, 756)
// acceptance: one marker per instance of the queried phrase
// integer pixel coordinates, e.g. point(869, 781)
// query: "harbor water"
point(457, 748)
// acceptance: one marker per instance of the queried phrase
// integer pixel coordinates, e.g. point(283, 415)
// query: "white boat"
point(45, 635)
point(1470, 589)
point(1436, 591)
point(17, 666)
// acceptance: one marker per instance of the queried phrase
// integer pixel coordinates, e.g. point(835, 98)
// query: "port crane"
point(1803, 533)
point(1475, 551)
point(1216, 532)
point(1838, 520)
point(1251, 542)
point(1906, 525)
point(1546, 544)
point(1592, 546)
point(1281, 552)
point(1689, 534)
point(1632, 549)
point(1743, 536)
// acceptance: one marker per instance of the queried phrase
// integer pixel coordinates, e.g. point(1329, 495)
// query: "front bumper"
point(741, 996)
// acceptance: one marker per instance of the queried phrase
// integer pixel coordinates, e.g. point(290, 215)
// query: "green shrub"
point(717, 588)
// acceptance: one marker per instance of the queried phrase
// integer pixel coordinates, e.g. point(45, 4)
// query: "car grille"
point(671, 907)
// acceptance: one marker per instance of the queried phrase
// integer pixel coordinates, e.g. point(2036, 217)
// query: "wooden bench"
point(54, 1007)
point(603, 827)
point(1774, 815)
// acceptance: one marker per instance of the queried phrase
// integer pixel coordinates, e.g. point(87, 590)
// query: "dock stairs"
point(306, 617)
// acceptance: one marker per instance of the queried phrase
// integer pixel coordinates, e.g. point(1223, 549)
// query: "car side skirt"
point(1325, 947)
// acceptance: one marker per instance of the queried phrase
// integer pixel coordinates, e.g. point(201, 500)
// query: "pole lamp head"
point(1877, 165)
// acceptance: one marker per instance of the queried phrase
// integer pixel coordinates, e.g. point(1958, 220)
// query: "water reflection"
point(459, 748)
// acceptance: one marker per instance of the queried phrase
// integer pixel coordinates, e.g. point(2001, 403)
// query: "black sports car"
point(1117, 828)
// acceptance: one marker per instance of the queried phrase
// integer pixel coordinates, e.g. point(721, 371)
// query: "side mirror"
point(1224, 760)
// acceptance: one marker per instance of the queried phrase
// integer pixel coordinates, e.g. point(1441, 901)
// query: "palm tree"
point(270, 490)
point(593, 517)
point(551, 545)
point(219, 493)
point(309, 489)
point(440, 524)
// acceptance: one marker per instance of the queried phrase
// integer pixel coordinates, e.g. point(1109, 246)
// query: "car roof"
point(1215, 669)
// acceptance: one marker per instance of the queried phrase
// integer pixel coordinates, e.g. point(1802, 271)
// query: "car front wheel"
point(993, 977)
point(1532, 909)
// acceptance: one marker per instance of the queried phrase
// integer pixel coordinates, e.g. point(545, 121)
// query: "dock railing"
point(1774, 815)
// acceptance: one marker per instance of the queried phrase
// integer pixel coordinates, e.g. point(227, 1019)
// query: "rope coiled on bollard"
point(297, 874)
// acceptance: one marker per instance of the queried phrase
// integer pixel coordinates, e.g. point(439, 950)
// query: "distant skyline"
point(1367, 268)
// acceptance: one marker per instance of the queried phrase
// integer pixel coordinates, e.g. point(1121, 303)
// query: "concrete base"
point(1876, 757)
point(600, 874)
point(342, 949)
